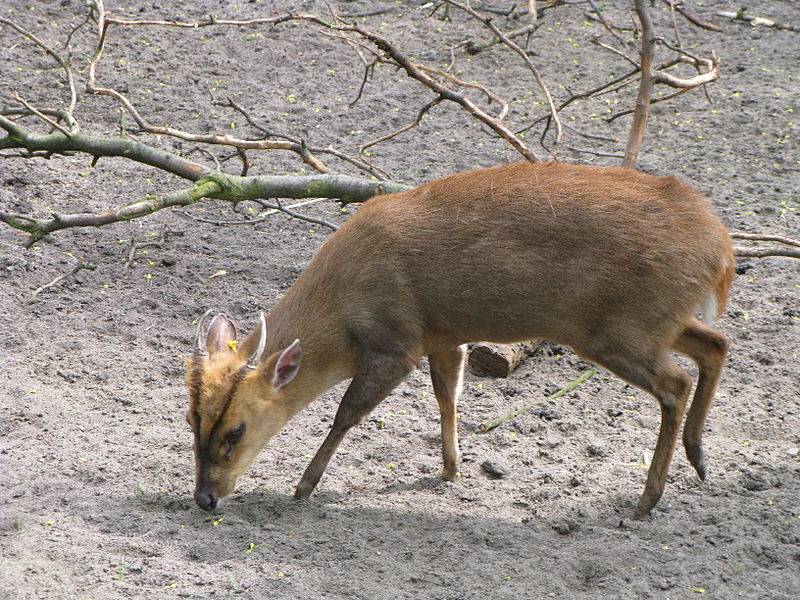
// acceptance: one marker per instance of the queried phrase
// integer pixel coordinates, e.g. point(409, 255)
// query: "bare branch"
point(422, 112)
point(476, 86)
point(745, 252)
point(636, 135)
point(55, 124)
point(536, 75)
point(712, 73)
point(755, 21)
point(58, 143)
point(63, 63)
point(695, 20)
point(760, 237)
point(765, 252)
point(296, 215)
point(215, 185)
point(413, 71)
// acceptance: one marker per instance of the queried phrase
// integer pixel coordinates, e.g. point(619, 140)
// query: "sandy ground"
point(96, 470)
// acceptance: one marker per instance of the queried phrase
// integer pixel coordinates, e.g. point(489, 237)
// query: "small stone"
point(566, 526)
point(595, 450)
point(793, 451)
point(494, 468)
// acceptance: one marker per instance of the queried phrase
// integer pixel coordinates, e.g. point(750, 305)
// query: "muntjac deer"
point(612, 262)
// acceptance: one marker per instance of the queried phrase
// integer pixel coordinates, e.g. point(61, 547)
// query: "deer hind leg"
point(377, 376)
point(447, 372)
point(661, 377)
point(707, 348)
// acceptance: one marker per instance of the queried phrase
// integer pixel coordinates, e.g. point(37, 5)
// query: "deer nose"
point(205, 500)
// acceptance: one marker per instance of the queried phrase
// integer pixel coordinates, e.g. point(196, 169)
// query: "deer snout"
point(206, 500)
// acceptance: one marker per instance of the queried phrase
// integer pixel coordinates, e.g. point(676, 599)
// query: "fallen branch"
point(764, 252)
point(218, 186)
point(489, 425)
point(759, 237)
point(756, 21)
point(692, 18)
point(445, 93)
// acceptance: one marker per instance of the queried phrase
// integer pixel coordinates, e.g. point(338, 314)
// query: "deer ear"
point(287, 365)
point(221, 332)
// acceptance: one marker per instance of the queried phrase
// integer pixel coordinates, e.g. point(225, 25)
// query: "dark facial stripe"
point(206, 451)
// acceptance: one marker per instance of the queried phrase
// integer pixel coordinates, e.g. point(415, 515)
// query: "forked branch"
point(650, 77)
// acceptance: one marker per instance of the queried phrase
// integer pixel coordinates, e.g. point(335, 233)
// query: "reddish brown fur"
point(609, 261)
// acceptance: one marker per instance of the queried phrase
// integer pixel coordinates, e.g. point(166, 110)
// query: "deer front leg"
point(377, 376)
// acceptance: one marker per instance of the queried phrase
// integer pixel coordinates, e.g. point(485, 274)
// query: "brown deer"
point(612, 262)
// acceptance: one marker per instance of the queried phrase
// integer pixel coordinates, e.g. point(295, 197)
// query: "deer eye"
point(234, 435)
point(237, 432)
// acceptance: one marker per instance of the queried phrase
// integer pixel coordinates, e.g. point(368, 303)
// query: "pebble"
point(495, 468)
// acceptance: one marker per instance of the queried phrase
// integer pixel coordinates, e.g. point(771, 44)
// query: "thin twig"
point(489, 425)
point(63, 63)
point(605, 23)
point(759, 237)
point(262, 216)
point(79, 267)
point(596, 153)
point(157, 243)
point(590, 136)
point(422, 112)
point(296, 215)
point(695, 20)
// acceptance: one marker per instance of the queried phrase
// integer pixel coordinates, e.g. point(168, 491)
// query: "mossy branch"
point(208, 183)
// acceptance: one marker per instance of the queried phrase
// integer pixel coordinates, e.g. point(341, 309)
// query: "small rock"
point(793, 451)
point(614, 412)
point(594, 450)
point(566, 526)
point(494, 468)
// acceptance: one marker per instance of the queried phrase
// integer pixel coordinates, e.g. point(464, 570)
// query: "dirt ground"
point(96, 467)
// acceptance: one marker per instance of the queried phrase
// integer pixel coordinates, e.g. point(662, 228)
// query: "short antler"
point(201, 340)
point(255, 357)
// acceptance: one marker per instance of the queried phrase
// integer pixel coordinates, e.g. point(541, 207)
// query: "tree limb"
point(765, 252)
point(692, 18)
point(745, 252)
point(220, 186)
point(636, 135)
